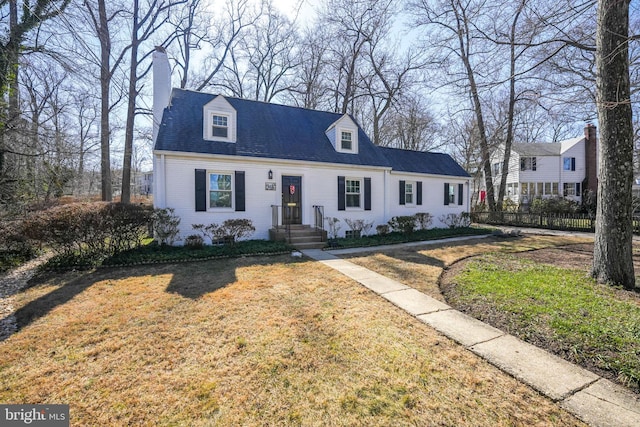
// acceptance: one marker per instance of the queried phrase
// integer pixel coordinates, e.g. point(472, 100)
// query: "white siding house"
point(218, 158)
point(563, 169)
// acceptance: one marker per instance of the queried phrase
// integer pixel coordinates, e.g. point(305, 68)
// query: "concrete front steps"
point(300, 236)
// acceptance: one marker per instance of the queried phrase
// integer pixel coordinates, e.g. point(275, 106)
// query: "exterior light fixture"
point(270, 174)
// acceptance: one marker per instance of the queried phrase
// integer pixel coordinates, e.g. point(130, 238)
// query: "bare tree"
point(310, 89)
point(239, 15)
point(612, 255)
point(144, 25)
point(410, 125)
point(101, 19)
point(14, 44)
point(354, 26)
point(453, 30)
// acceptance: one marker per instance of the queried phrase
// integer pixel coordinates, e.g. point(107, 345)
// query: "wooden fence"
point(567, 222)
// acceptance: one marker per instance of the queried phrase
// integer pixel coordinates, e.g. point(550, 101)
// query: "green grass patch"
point(151, 253)
point(416, 236)
point(10, 259)
point(591, 324)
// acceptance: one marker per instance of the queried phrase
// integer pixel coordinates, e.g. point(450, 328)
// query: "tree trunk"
point(105, 84)
point(131, 110)
point(612, 254)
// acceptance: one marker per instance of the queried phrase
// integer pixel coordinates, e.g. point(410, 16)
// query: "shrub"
point(89, 229)
point(212, 231)
point(333, 226)
point(403, 224)
point(509, 206)
point(424, 220)
point(553, 205)
point(456, 220)
point(382, 229)
point(165, 226)
point(194, 241)
point(359, 227)
point(233, 230)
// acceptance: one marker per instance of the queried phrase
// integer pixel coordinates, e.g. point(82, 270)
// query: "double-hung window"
point(408, 193)
point(528, 163)
point(220, 190)
point(352, 193)
point(220, 126)
point(346, 140)
point(571, 188)
point(569, 163)
point(452, 194)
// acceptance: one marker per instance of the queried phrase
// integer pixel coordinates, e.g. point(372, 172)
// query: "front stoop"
point(300, 236)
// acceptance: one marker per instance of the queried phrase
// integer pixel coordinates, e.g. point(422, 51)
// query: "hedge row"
point(88, 229)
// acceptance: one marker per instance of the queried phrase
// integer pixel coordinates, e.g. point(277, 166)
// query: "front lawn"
point(246, 341)
point(556, 308)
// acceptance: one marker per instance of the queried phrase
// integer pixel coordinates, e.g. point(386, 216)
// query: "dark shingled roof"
point(282, 132)
point(422, 162)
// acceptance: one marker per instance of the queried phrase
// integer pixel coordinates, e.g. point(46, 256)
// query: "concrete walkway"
point(591, 398)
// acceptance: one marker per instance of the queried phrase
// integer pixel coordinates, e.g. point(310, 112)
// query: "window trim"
point(214, 126)
point(359, 193)
point(532, 163)
point(412, 193)
point(231, 191)
point(571, 166)
point(344, 133)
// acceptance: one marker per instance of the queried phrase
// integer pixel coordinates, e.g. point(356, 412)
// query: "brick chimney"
point(161, 86)
point(591, 157)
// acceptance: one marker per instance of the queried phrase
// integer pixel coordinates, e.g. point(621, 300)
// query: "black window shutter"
point(446, 193)
point(577, 188)
point(240, 191)
point(460, 193)
point(573, 163)
point(341, 193)
point(201, 190)
point(367, 194)
point(419, 193)
point(402, 194)
point(533, 163)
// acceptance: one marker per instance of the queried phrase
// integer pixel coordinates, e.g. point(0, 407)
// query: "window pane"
point(539, 189)
point(221, 132)
point(555, 188)
point(220, 199)
point(452, 193)
point(547, 188)
point(220, 182)
point(220, 125)
point(345, 141)
point(353, 200)
point(525, 189)
point(352, 186)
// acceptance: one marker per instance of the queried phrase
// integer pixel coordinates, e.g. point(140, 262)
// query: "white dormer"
point(343, 135)
point(219, 121)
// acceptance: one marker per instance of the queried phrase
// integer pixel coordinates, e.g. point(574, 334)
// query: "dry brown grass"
point(255, 341)
point(420, 267)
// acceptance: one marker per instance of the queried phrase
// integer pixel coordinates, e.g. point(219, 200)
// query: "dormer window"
point(346, 141)
point(343, 134)
point(220, 126)
point(220, 120)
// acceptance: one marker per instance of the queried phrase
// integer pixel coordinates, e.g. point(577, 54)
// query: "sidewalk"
point(591, 398)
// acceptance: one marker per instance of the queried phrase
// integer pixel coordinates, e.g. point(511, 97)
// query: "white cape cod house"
point(218, 158)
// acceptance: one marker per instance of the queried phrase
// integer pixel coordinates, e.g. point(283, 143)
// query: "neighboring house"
point(563, 169)
point(218, 158)
point(145, 183)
